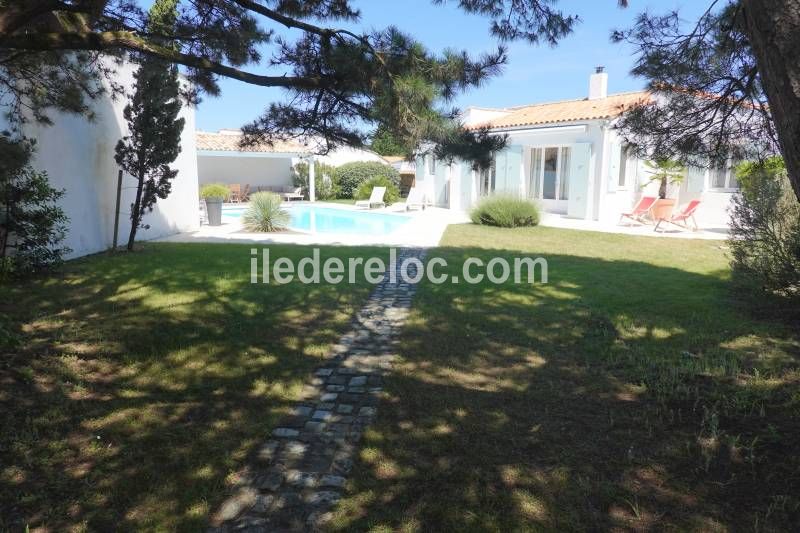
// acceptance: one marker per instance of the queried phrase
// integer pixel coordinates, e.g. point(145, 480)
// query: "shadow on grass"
point(621, 395)
point(144, 380)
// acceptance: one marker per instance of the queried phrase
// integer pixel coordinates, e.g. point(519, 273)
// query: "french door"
point(548, 179)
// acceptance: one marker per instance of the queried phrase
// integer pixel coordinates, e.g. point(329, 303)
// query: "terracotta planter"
point(662, 209)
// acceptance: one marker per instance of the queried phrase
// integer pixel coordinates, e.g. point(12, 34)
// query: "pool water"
point(316, 219)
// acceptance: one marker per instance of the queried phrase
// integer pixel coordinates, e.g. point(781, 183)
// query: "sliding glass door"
point(548, 180)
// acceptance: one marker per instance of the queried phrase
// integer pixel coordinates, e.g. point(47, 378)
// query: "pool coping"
point(330, 207)
point(424, 230)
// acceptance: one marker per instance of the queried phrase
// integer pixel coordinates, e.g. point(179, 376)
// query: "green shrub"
point(765, 230)
point(325, 186)
point(215, 190)
point(365, 189)
point(505, 212)
point(265, 213)
point(32, 223)
point(350, 176)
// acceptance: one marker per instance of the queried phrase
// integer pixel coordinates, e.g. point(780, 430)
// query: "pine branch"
point(126, 40)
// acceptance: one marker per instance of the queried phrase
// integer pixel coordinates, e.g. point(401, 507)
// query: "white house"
point(220, 159)
point(78, 156)
point(567, 156)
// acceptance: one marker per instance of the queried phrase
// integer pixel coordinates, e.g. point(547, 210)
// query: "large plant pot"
point(662, 209)
point(214, 211)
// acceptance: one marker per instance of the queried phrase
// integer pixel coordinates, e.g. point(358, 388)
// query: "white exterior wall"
point(607, 199)
point(260, 169)
point(713, 211)
point(78, 156)
point(254, 169)
point(479, 115)
point(425, 180)
point(528, 139)
point(565, 135)
point(345, 154)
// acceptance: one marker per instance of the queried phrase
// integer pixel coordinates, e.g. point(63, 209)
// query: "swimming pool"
point(318, 219)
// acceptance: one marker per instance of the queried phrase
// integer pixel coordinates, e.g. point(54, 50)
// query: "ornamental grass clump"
point(215, 190)
point(505, 212)
point(265, 213)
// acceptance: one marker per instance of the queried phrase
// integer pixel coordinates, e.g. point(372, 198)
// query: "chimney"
point(598, 84)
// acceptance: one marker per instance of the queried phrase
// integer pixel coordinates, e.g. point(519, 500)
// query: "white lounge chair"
point(292, 193)
point(415, 198)
point(376, 198)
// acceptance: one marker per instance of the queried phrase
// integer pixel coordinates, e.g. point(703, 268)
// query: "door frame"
point(556, 204)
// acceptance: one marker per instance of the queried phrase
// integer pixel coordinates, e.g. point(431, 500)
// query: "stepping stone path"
point(302, 468)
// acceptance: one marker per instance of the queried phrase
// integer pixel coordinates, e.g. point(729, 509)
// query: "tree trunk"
point(136, 216)
point(773, 28)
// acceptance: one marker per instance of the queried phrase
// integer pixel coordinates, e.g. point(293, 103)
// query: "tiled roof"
point(228, 141)
point(567, 111)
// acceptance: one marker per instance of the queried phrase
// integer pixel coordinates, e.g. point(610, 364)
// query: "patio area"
point(633, 228)
point(424, 229)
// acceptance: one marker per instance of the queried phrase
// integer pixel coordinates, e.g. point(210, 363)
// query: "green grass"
point(141, 382)
point(632, 392)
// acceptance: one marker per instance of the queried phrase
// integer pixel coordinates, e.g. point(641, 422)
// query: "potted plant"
point(666, 172)
point(214, 194)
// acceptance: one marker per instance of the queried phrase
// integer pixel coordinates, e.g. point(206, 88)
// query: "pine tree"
point(153, 141)
point(342, 84)
point(740, 57)
point(723, 84)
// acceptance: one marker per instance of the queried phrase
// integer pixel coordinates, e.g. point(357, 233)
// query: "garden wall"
point(78, 156)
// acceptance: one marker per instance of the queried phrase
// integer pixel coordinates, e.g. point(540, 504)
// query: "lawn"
point(141, 382)
point(633, 392)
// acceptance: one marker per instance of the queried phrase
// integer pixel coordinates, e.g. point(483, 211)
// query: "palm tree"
point(667, 172)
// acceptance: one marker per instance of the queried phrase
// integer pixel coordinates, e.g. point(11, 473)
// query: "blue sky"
point(533, 74)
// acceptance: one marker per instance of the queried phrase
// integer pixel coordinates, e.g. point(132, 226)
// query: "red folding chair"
point(639, 210)
point(683, 216)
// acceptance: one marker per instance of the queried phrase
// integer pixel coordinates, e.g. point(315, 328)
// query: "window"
point(623, 168)
point(487, 179)
point(431, 164)
point(549, 173)
point(535, 174)
point(724, 178)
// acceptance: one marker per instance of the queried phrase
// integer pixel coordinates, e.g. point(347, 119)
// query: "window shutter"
point(513, 170)
point(613, 166)
point(579, 180)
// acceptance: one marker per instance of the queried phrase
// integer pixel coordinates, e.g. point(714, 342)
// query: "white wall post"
point(312, 193)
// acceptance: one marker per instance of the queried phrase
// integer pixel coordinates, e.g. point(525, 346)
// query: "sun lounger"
point(415, 198)
point(292, 193)
point(376, 198)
